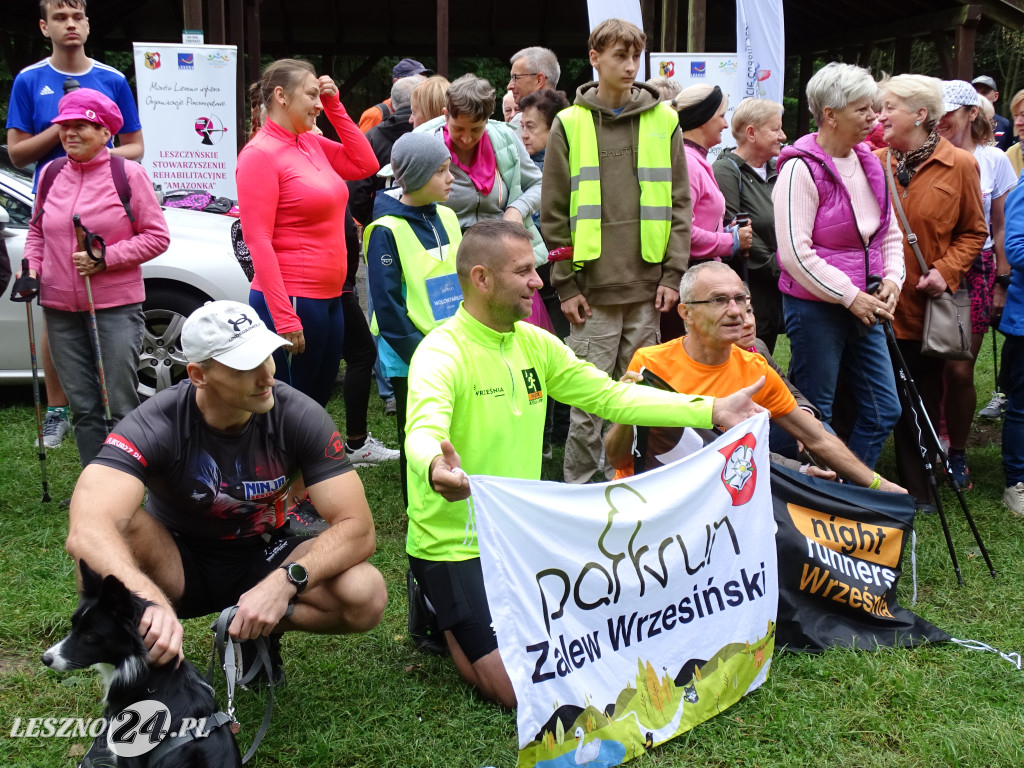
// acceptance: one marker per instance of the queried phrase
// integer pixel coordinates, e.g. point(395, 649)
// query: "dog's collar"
point(216, 720)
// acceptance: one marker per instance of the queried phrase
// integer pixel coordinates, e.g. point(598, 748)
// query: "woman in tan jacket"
point(939, 188)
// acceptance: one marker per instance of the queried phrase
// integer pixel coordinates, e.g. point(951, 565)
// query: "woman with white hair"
point(746, 175)
point(835, 231)
point(937, 186)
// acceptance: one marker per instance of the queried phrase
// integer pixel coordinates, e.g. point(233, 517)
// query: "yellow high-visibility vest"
point(432, 292)
point(654, 172)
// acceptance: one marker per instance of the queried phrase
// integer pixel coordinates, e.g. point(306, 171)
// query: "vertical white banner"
point(187, 105)
point(627, 10)
point(712, 68)
point(761, 43)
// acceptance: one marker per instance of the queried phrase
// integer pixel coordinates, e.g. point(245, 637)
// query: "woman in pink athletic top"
point(292, 195)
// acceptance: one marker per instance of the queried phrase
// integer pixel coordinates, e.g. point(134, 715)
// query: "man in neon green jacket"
point(478, 389)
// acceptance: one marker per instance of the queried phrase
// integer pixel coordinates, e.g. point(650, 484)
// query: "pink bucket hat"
point(87, 104)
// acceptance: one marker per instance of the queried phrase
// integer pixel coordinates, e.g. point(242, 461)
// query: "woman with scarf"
point(494, 176)
point(835, 228)
point(938, 187)
point(702, 119)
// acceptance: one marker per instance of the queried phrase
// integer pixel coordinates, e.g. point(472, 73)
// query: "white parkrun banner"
point(628, 612)
point(187, 104)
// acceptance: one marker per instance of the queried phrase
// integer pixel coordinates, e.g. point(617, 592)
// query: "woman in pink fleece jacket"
point(292, 196)
point(85, 186)
point(702, 119)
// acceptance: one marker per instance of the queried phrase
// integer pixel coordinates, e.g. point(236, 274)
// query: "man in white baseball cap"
point(217, 454)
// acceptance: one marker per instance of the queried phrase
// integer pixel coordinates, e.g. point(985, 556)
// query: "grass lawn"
point(371, 700)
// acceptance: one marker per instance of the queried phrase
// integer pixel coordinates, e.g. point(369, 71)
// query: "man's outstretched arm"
point(831, 450)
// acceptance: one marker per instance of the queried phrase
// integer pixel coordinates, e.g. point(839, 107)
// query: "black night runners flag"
point(840, 548)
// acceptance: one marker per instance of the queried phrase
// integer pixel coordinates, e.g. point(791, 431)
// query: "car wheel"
point(162, 362)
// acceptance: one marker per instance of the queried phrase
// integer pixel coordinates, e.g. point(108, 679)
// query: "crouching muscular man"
point(217, 454)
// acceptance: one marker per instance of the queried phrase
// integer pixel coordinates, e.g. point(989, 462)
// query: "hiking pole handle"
point(25, 287)
point(79, 231)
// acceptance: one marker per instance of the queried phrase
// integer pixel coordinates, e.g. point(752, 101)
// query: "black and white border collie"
point(105, 635)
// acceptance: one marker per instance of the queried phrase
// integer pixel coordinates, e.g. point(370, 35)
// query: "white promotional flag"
point(628, 612)
point(187, 105)
point(761, 43)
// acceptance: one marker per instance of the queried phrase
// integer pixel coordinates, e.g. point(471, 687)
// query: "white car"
point(199, 266)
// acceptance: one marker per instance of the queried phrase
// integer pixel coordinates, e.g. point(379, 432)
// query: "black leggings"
point(359, 354)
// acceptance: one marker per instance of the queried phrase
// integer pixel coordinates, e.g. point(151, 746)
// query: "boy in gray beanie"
point(410, 251)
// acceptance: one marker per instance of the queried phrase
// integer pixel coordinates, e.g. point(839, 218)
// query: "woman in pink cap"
point(134, 231)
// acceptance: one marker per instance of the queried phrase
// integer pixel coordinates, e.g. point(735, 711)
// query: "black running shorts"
point(456, 590)
point(218, 571)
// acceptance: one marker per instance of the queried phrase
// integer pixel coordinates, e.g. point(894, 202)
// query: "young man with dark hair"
point(31, 137)
point(616, 203)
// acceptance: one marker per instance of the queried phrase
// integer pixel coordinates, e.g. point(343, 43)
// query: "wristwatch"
point(1004, 280)
point(296, 575)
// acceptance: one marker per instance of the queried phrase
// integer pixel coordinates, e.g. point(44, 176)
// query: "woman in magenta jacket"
point(292, 196)
point(84, 185)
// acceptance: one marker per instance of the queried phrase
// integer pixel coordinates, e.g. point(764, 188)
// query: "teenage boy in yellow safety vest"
point(615, 212)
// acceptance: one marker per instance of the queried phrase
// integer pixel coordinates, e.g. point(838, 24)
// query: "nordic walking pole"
point(25, 289)
point(85, 241)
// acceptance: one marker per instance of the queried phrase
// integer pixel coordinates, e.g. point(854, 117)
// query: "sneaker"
point(372, 452)
point(996, 407)
point(391, 406)
point(55, 427)
point(960, 471)
point(423, 629)
point(1013, 497)
point(303, 519)
point(545, 452)
point(250, 657)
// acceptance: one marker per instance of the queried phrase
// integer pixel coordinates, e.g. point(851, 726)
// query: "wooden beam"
point(803, 117)
point(217, 34)
point(345, 88)
point(942, 49)
point(236, 37)
point(696, 26)
point(917, 26)
point(901, 55)
point(669, 25)
point(963, 51)
point(442, 37)
point(1009, 13)
point(193, 14)
point(252, 41)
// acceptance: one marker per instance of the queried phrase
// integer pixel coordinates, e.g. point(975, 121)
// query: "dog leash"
point(229, 652)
